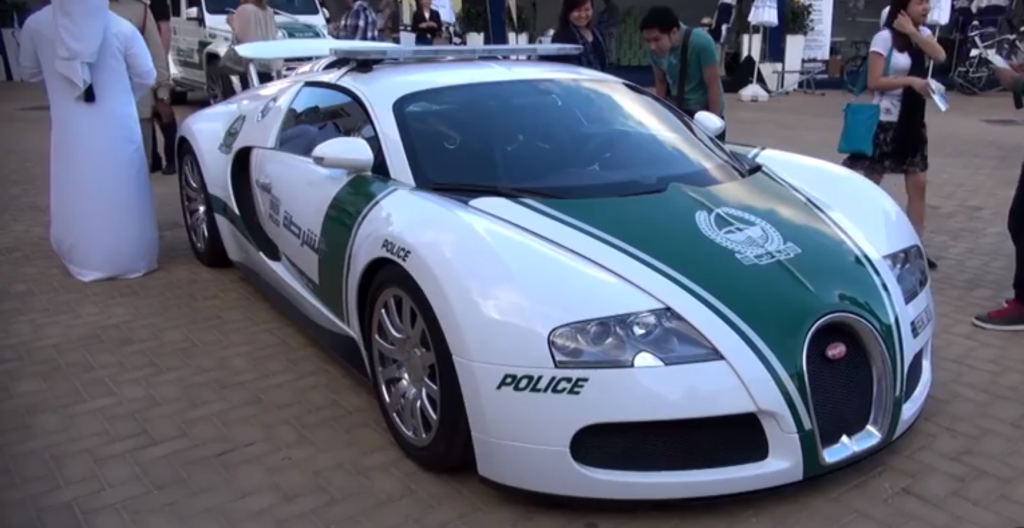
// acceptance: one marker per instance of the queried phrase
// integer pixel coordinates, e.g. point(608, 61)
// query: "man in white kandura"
point(94, 64)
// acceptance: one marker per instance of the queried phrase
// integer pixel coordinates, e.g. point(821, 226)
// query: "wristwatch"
point(163, 94)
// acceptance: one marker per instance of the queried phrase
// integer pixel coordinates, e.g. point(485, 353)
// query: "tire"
point(218, 85)
point(445, 446)
point(196, 207)
point(970, 80)
point(989, 82)
point(853, 69)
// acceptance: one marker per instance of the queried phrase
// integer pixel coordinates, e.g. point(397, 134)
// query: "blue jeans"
point(424, 41)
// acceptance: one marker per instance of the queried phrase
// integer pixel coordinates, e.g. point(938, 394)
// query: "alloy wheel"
point(406, 367)
point(194, 199)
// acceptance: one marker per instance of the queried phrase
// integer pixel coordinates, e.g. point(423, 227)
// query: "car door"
point(186, 33)
point(292, 192)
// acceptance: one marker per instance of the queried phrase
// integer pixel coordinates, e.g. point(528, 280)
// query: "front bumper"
point(917, 365)
point(527, 435)
point(522, 439)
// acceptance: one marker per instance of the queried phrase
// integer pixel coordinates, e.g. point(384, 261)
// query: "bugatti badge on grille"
point(835, 351)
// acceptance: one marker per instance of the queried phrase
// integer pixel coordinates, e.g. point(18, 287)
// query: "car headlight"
point(911, 271)
point(645, 339)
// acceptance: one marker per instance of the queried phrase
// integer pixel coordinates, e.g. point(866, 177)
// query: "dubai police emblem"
point(753, 240)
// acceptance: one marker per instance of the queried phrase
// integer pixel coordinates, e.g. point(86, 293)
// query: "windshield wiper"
point(753, 167)
point(496, 190)
point(656, 190)
point(746, 165)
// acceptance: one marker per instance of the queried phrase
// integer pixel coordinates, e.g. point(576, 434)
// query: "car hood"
point(293, 29)
point(754, 247)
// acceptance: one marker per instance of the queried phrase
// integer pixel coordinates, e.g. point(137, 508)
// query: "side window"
point(188, 4)
point(320, 113)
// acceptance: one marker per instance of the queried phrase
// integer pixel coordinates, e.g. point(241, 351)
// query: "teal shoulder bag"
point(860, 120)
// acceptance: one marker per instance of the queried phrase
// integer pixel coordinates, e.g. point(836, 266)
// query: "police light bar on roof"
point(358, 51)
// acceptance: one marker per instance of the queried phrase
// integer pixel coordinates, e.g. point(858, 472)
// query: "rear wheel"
point(413, 374)
point(973, 76)
point(196, 210)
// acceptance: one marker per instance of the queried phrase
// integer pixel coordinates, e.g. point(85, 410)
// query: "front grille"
point(841, 390)
point(676, 445)
point(913, 376)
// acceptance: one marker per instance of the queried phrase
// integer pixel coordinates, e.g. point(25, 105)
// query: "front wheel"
point(413, 374)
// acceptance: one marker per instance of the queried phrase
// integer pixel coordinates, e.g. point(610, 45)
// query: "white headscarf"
point(79, 26)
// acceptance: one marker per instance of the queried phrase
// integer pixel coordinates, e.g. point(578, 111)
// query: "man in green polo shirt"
point(702, 84)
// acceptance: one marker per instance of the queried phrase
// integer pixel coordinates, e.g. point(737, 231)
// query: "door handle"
point(264, 185)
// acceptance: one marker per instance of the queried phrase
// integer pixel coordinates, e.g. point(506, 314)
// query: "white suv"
point(201, 36)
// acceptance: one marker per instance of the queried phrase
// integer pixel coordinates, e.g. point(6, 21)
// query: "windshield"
point(292, 7)
point(566, 138)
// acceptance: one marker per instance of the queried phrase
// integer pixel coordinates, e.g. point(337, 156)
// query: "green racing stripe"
point(770, 305)
point(859, 246)
point(222, 209)
point(892, 334)
point(344, 215)
point(341, 222)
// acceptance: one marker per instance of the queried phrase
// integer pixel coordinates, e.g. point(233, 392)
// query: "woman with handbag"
point(898, 76)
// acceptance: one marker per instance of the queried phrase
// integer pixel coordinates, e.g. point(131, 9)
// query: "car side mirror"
point(192, 13)
point(711, 124)
point(349, 153)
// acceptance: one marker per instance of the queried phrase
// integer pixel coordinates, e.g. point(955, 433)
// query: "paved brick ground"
point(184, 400)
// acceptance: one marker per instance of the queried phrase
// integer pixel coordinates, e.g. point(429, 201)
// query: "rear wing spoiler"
point(297, 49)
point(243, 57)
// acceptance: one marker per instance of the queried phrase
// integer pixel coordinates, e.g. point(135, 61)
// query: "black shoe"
point(157, 165)
point(169, 169)
point(932, 265)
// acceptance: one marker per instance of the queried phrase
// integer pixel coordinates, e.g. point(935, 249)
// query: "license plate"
point(922, 321)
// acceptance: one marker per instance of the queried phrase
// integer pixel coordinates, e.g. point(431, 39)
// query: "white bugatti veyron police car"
point(550, 272)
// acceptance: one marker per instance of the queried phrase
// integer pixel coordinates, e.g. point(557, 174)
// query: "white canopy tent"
point(938, 16)
point(940, 13)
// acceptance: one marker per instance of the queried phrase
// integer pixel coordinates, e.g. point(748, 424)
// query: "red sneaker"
point(1009, 318)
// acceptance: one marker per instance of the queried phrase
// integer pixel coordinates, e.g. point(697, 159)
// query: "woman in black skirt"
point(901, 140)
